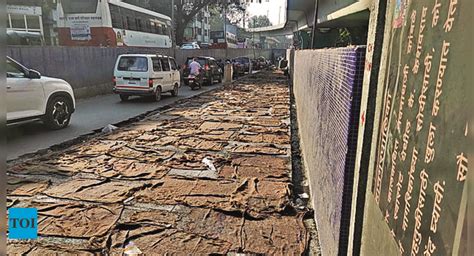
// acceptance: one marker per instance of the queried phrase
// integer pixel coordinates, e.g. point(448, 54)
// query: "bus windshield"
point(79, 6)
point(217, 34)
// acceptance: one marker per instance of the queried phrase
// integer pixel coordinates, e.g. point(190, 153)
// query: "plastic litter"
point(109, 128)
point(209, 164)
point(304, 196)
point(132, 250)
point(299, 204)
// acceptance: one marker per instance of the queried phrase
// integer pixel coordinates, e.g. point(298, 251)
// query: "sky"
point(272, 7)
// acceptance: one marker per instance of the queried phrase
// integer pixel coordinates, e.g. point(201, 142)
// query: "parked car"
point(205, 46)
point(31, 96)
point(190, 46)
point(211, 70)
point(242, 65)
point(145, 75)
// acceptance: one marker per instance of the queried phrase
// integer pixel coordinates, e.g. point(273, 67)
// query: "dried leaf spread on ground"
point(210, 175)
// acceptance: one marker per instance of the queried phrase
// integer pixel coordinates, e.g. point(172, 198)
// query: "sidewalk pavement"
point(210, 175)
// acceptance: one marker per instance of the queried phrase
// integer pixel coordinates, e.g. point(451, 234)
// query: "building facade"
point(24, 24)
point(199, 28)
point(31, 22)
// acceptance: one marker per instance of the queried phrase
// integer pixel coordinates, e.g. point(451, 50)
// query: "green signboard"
point(423, 141)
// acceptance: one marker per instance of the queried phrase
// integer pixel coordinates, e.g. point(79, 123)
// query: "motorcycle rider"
point(195, 69)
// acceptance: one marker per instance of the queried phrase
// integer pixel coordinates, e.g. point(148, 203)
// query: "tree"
point(185, 10)
point(259, 21)
point(235, 14)
point(216, 21)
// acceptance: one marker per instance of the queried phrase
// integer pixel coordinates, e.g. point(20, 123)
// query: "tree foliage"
point(235, 14)
point(259, 21)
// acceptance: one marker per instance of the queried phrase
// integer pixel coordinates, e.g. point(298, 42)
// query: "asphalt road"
point(91, 114)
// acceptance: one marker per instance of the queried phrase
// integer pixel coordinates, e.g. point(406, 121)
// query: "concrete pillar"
point(371, 94)
point(228, 73)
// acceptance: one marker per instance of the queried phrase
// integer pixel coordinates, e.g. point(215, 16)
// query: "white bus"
point(218, 40)
point(111, 23)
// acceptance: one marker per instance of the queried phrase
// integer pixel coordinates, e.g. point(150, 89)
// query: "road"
point(91, 114)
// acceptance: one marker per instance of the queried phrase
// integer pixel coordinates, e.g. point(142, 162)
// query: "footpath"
point(209, 175)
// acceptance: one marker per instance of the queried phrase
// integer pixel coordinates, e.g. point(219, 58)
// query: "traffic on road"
point(139, 80)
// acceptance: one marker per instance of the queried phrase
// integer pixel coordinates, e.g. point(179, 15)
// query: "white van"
point(145, 75)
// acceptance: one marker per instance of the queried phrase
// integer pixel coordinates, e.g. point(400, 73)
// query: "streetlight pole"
point(225, 27)
point(253, 38)
point(173, 24)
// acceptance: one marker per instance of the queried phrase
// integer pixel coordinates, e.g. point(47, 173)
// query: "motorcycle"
point(194, 82)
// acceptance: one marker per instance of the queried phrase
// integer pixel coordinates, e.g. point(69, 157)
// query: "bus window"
point(164, 30)
point(159, 30)
point(138, 23)
point(148, 27)
point(131, 23)
point(79, 6)
point(124, 23)
point(117, 21)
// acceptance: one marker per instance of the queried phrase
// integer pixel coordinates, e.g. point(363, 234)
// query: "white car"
point(146, 75)
point(190, 46)
point(32, 97)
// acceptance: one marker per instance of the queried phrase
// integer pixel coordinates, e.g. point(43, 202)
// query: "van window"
point(165, 64)
point(132, 63)
point(156, 64)
point(173, 64)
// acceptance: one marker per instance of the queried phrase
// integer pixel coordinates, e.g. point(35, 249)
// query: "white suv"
point(31, 96)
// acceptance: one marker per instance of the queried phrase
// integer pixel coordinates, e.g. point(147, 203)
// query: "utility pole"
point(172, 10)
point(173, 25)
point(253, 38)
point(315, 23)
point(225, 20)
point(225, 26)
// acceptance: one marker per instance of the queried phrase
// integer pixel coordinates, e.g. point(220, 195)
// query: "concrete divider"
point(90, 69)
